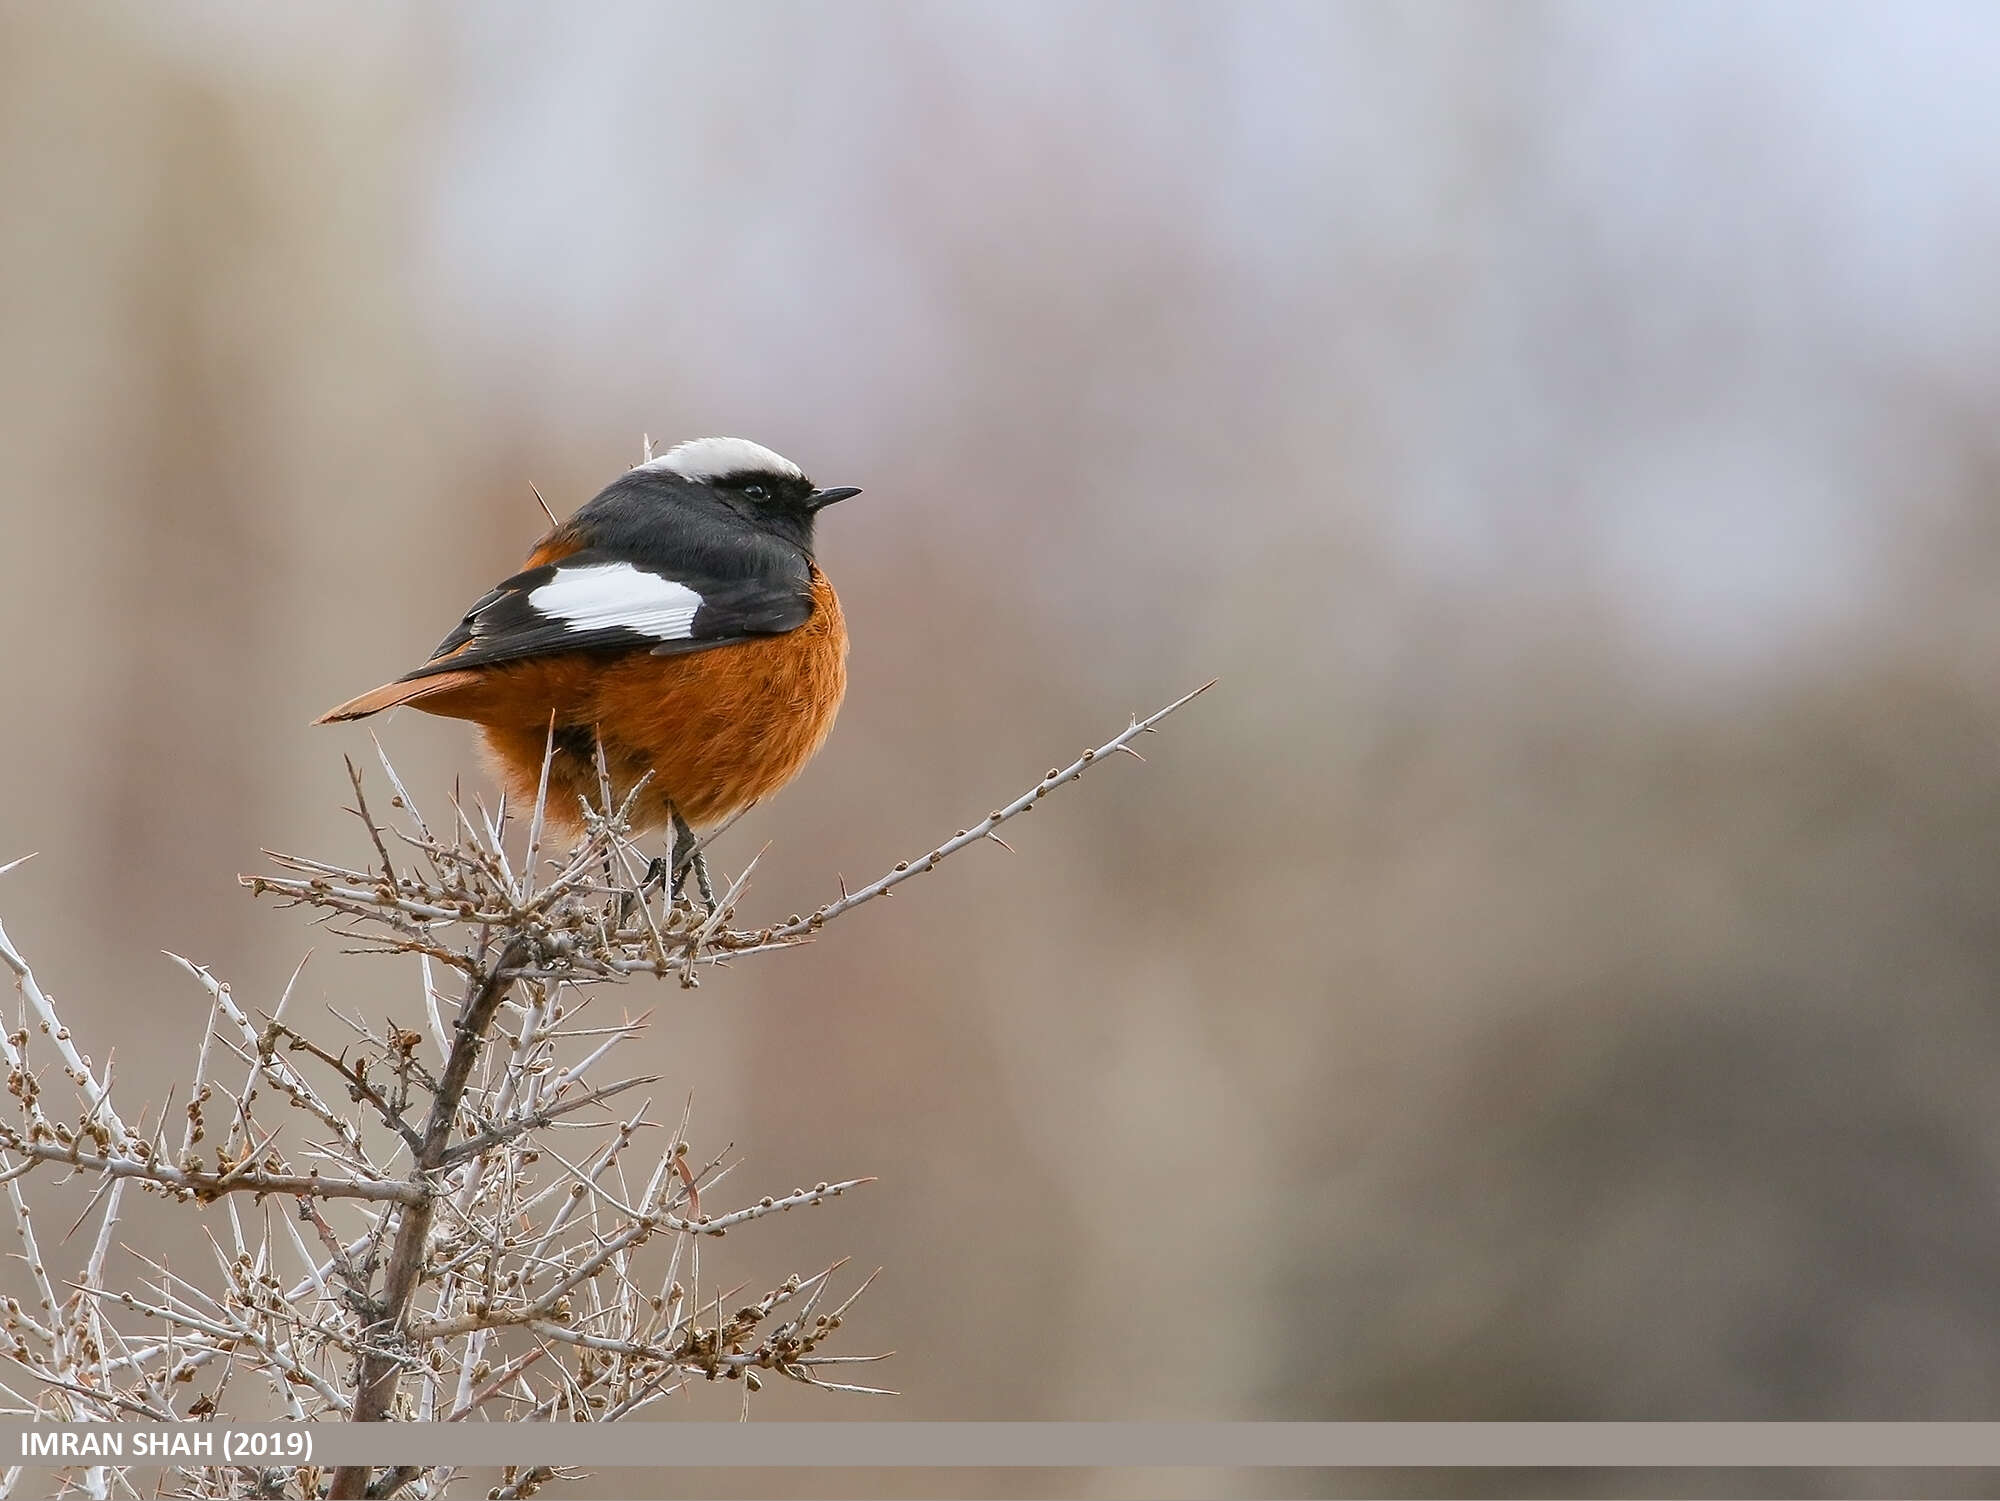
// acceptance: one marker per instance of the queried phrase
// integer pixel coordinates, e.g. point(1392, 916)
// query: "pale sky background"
point(1816, 179)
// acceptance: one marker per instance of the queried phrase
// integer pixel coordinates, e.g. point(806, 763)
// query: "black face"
point(728, 527)
point(762, 491)
point(779, 503)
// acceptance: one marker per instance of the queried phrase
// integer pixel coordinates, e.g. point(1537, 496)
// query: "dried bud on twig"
point(433, 1210)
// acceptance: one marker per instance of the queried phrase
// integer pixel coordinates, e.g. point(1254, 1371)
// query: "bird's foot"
point(651, 881)
point(687, 857)
point(670, 872)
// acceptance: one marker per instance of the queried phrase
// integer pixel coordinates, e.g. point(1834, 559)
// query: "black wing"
point(597, 600)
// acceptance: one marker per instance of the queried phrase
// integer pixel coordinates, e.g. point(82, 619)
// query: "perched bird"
point(679, 618)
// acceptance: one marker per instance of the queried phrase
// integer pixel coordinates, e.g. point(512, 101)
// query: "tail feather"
point(389, 695)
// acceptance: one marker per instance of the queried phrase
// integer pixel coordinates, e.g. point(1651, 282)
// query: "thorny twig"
point(456, 1262)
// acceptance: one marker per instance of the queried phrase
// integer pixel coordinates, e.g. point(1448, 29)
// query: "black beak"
point(821, 499)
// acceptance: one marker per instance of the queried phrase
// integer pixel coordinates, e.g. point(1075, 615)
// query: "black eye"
point(756, 492)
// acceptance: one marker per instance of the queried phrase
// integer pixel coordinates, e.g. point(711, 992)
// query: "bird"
point(680, 620)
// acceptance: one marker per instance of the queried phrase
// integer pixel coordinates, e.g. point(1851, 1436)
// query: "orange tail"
point(389, 695)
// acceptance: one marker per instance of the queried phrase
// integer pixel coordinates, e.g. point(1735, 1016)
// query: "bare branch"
point(965, 838)
point(405, 1289)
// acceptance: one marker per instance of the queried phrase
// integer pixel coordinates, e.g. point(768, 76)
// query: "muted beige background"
point(1554, 974)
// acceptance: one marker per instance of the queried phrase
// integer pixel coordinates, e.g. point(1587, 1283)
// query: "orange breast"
point(718, 729)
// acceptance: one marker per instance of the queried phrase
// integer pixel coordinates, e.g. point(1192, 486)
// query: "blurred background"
point(1556, 974)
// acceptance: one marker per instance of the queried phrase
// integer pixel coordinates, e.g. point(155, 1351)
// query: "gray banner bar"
point(1020, 1445)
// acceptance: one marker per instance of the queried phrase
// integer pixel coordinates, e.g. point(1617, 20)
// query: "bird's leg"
point(685, 851)
point(655, 876)
point(683, 855)
point(628, 900)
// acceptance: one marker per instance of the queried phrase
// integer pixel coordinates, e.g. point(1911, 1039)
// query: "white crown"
point(712, 458)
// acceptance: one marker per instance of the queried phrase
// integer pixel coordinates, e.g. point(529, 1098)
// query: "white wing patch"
point(606, 596)
point(712, 458)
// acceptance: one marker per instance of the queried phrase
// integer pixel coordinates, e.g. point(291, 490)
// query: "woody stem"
point(375, 1395)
